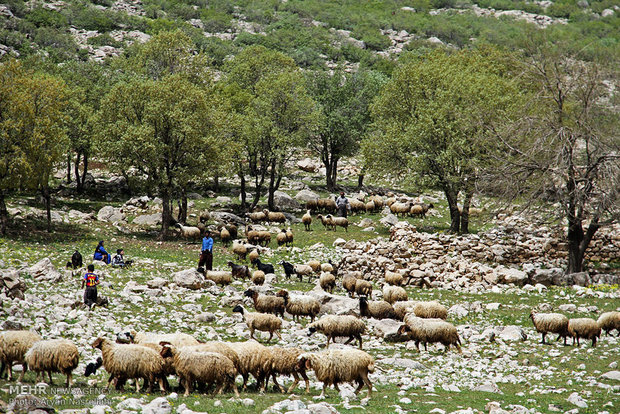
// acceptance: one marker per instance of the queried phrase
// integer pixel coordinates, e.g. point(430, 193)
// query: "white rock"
point(339, 242)
point(612, 375)
point(306, 195)
point(129, 404)
point(568, 307)
point(110, 214)
point(576, 399)
point(189, 278)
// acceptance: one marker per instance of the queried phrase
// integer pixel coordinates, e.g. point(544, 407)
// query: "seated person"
point(101, 253)
point(119, 259)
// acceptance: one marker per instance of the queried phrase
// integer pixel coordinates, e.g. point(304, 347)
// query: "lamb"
point(256, 217)
point(326, 221)
point(584, 328)
point(349, 282)
point(430, 310)
point(300, 305)
point(274, 216)
point(252, 360)
point(92, 367)
point(239, 271)
point(205, 216)
point(327, 281)
point(189, 232)
point(370, 206)
point(289, 237)
point(225, 236)
point(53, 355)
point(393, 294)
point(315, 265)
point(13, 347)
point(261, 322)
point(266, 303)
point(333, 367)
point(420, 209)
point(376, 309)
point(335, 325)
point(285, 361)
point(307, 220)
point(609, 321)
point(430, 331)
point(363, 287)
point(401, 308)
point(239, 249)
point(258, 277)
point(253, 255)
point(178, 339)
point(393, 278)
point(550, 323)
point(265, 267)
point(281, 237)
point(205, 367)
point(131, 361)
point(339, 221)
point(219, 277)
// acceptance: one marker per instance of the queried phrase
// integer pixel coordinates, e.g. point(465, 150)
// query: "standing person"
point(206, 255)
point(101, 253)
point(342, 204)
point(91, 280)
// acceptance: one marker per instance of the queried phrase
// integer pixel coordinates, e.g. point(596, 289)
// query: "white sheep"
point(252, 360)
point(393, 294)
point(307, 220)
point(334, 326)
point(403, 307)
point(258, 277)
point(338, 221)
point(131, 361)
point(177, 339)
point(264, 322)
point(609, 321)
point(336, 366)
point(53, 355)
point(393, 278)
point(13, 347)
point(376, 309)
point(285, 361)
point(584, 328)
point(189, 232)
point(300, 305)
point(239, 249)
point(363, 287)
point(550, 323)
point(303, 270)
point(430, 331)
point(327, 281)
point(430, 310)
point(203, 367)
point(219, 277)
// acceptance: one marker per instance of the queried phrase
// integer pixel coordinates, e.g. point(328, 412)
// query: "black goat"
point(239, 271)
point(266, 268)
point(289, 270)
point(76, 260)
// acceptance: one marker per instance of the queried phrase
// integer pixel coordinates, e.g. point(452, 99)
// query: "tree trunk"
point(165, 214)
point(243, 192)
point(85, 171)
point(465, 212)
point(360, 180)
point(216, 182)
point(272, 186)
point(575, 254)
point(78, 179)
point(182, 216)
point(328, 176)
point(45, 192)
point(4, 214)
point(455, 216)
point(68, 167)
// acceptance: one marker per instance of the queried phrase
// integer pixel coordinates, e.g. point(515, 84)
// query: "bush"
point(372, 37)
point(104, 40)
point(41, 17)
point(215, 21)
point(91, 18)
point(215, 48)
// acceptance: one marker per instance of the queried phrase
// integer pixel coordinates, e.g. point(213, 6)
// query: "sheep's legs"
point(270, 336)
point(279, 336)
point(367, 382)
point(543, 338)
point(24, 369)
point(69, 379)
point(282, 389)
point(188, 386)
point(49, 374)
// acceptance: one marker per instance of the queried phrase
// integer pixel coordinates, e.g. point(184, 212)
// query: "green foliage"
point(91, 18)
point(42, 17)
point(104, 40)
point(215, 20)
point(372, 37)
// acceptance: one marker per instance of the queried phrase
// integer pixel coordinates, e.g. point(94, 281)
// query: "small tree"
point(33, 138)
point(565, 147)
point(431, 118)
point(162, 129)
point(344, 100)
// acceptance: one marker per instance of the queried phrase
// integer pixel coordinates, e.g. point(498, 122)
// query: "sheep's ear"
point(308, 364)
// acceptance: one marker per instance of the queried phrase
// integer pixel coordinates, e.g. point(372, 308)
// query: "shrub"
point(41, 17)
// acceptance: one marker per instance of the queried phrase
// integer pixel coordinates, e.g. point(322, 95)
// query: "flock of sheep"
point(155, 357)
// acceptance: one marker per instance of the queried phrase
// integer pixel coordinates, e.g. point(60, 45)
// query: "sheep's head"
point(282, 293)
point(311, 330)
point(98, 342)
point(231, 264)
point(124, 338)
point(303, 361)
point(91, 368)
point(431, 205)
point(250, 293)
point(403, 330)
point(238, 308)
point(167, 351)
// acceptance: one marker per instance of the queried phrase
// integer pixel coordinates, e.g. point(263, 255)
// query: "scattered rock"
point(284, 201)
point(148, 220)
point(577, 400)
point(189, 279)
point(612, 375)
point(110, 214)
point(43, 270)
point(306, 195)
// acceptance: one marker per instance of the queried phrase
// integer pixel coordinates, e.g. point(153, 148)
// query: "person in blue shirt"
point(101, 253)
point(206, 254)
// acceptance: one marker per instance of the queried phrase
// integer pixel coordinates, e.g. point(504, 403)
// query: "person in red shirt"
point(91, 280)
